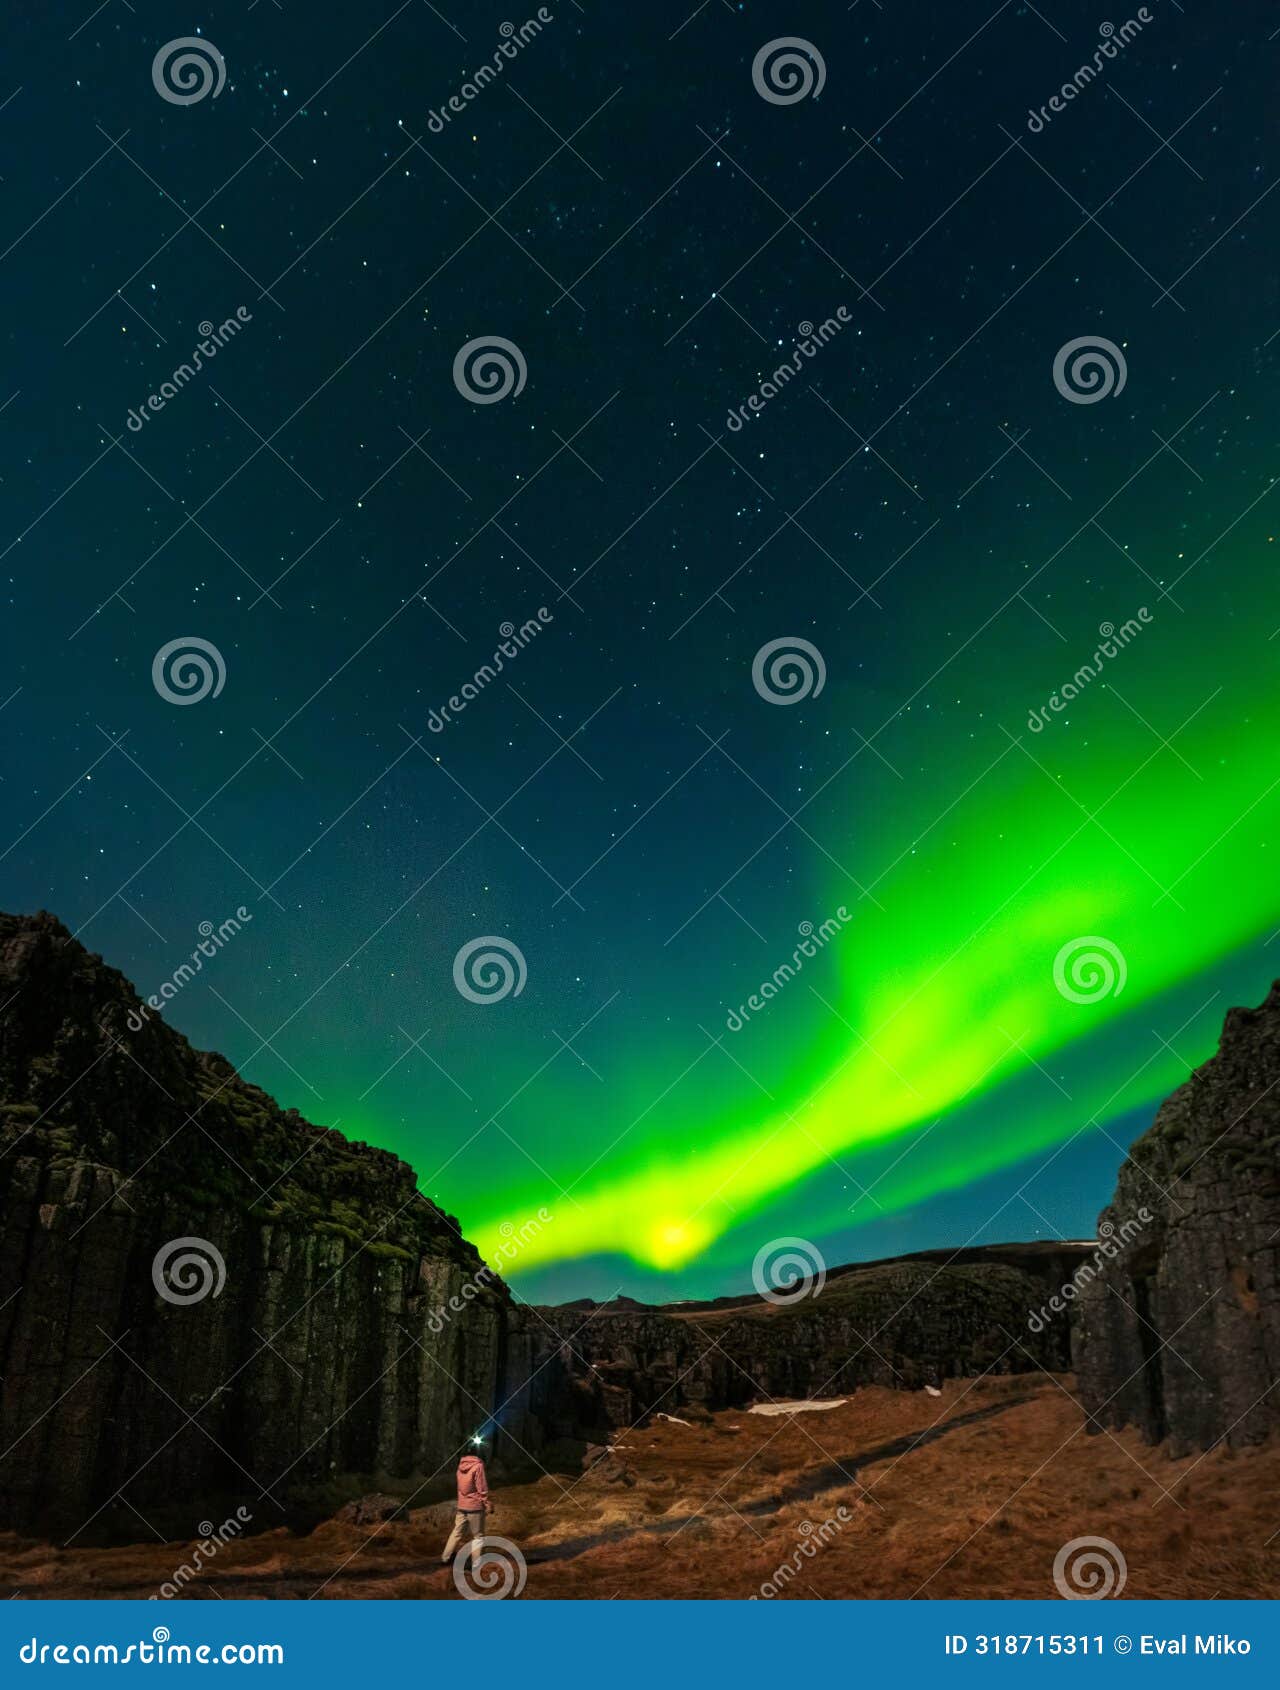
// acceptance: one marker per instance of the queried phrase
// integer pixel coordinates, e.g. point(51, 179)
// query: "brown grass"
point(1006, 1476)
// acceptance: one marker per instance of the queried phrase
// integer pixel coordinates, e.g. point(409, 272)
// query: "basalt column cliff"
point(135, 1379)
point(1180, 1334)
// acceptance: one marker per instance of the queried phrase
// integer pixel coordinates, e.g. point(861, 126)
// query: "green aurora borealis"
point(948, 990)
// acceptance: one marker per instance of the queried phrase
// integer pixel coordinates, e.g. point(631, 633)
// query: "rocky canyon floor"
point(968, 1494)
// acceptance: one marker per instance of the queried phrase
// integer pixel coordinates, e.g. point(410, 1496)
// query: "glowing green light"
point(947, 991)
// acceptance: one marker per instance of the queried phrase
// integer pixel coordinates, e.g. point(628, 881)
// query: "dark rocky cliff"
point(314, 1360)
point(1180, 1333)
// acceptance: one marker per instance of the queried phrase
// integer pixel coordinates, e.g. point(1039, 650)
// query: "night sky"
point(919, 512)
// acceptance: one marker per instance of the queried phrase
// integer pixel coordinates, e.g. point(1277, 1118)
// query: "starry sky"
point(1003, 817)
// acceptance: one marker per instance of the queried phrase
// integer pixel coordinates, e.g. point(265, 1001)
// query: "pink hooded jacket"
point(473, 1487)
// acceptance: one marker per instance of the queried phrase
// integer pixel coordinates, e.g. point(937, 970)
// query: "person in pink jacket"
point(473, 1502)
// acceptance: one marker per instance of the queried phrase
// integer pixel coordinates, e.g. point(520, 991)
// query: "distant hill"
point(906, 1322)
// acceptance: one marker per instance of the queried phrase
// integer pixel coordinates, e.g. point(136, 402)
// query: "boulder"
point(370, 1510)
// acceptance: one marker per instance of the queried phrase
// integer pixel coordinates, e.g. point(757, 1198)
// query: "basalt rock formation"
point(905, 1323)
point(1179, 1334)
point(202, 1295)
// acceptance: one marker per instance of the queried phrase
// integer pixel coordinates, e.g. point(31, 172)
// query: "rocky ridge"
point(906, 1323)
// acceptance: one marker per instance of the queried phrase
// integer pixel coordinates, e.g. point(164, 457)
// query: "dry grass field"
point(891, 1494)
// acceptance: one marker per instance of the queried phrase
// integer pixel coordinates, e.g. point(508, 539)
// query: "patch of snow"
point(796, 1407)
point(674, 1421)
point(932, 1392)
